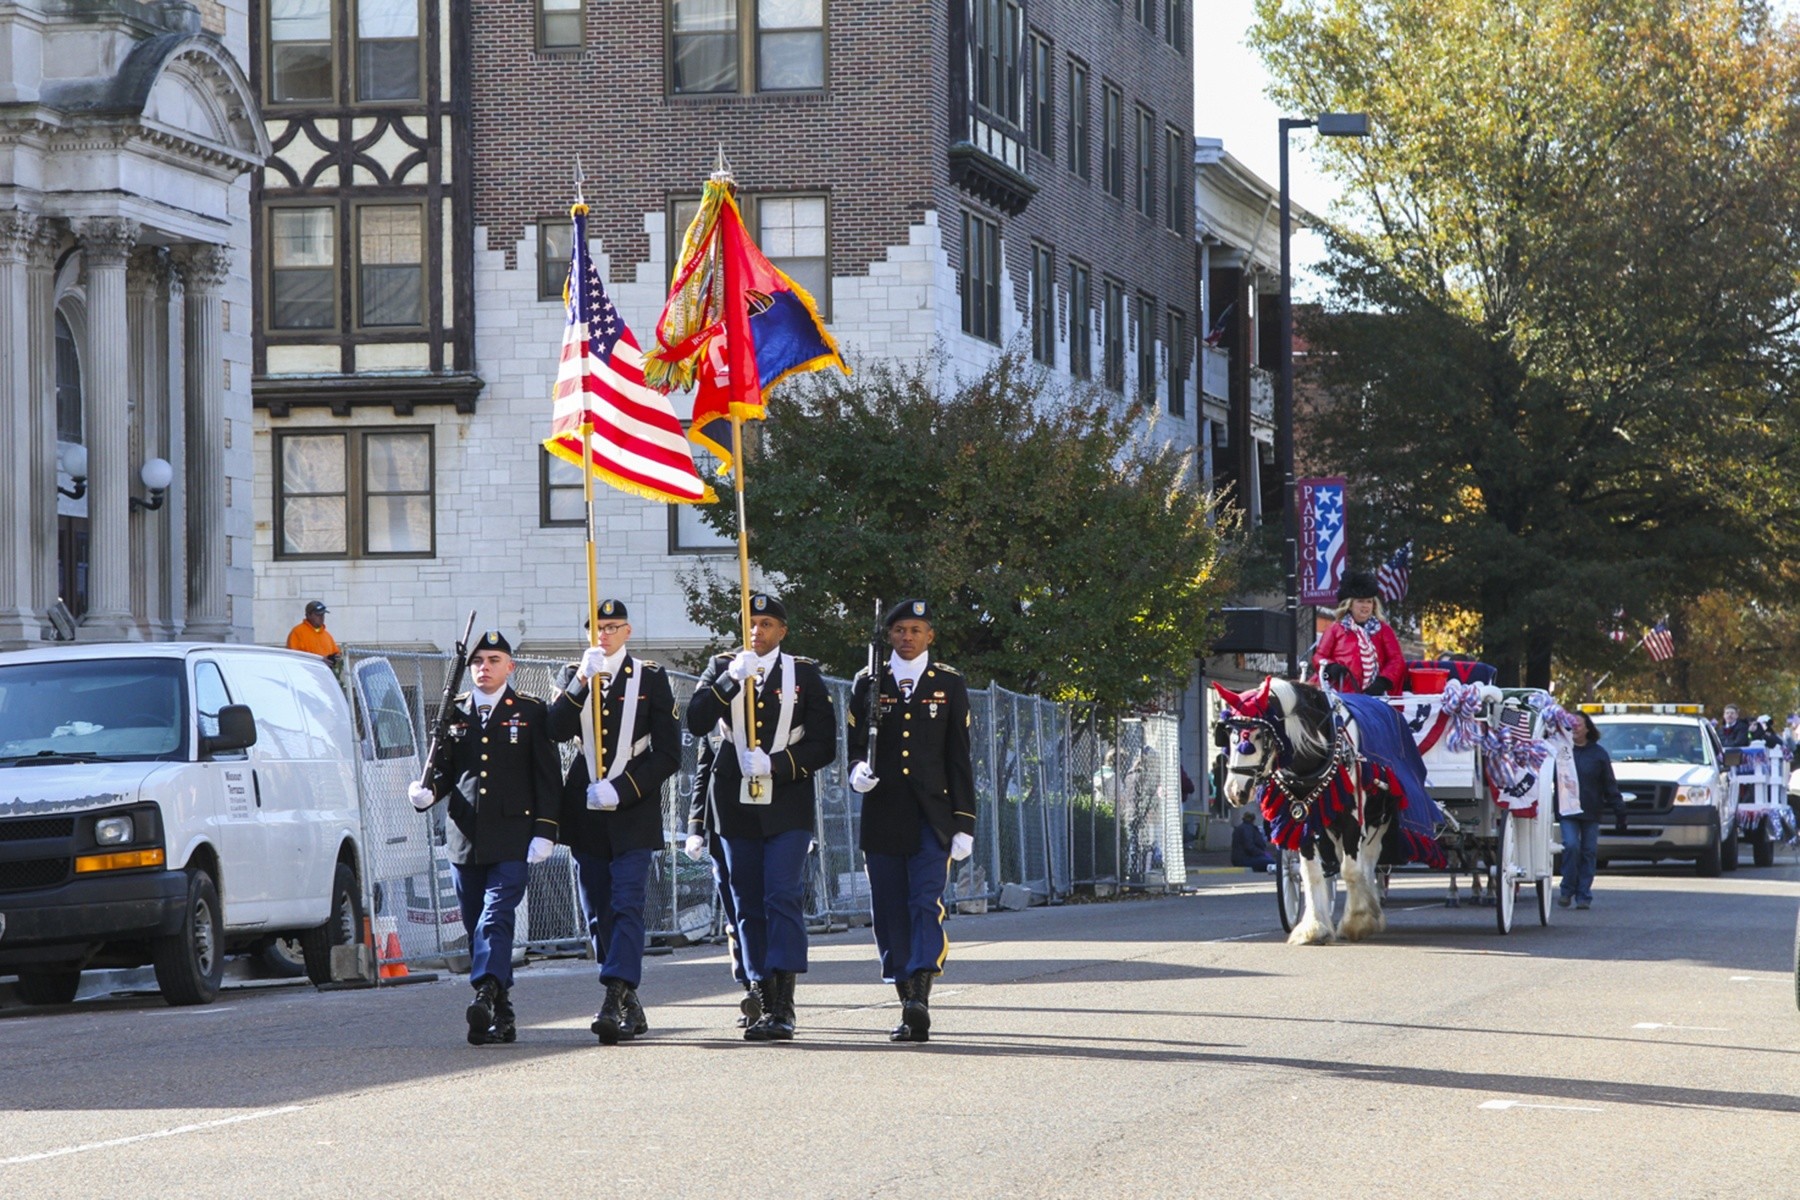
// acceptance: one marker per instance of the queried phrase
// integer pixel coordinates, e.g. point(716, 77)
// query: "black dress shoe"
point(506, 1022)
point(480, 1013)
point(609, 1022)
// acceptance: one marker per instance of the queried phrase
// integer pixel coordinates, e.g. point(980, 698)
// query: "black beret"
point(1358, 586)
point(764, 605)
point(612, 610)
point(918, 610)
point(493, 639)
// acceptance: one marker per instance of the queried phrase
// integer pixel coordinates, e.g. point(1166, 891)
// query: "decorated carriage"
point(1764, 819)
point(1452, 775)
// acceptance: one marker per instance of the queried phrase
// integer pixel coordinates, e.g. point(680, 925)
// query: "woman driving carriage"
point(1360, 653)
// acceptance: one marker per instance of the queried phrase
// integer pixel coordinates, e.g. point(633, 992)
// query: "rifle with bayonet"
point(440, 732)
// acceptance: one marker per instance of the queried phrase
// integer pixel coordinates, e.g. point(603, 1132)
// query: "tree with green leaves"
point(1069, 555)
point(1560, 353)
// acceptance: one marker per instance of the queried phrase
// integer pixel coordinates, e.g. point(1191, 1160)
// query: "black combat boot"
point(761, 994)
point(916, 1011)
point(480, 1013)
point(902, 1032)
point(506, 1022)
point(634, 1022)
point(609, 1022)
point(750, 1008)
point(781, 1028)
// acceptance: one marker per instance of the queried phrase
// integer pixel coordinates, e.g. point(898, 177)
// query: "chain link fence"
point(1064, 800)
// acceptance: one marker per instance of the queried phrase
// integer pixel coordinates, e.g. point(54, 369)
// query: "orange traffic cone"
point(393, 958)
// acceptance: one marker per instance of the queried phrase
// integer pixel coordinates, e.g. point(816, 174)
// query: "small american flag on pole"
point(1659, 642)
point(635, 442)
point(1394, 575)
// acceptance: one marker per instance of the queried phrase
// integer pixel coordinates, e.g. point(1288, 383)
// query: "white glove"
point(754, 763)
point(603, 795)
point(961, 846)
point(593, 661)
point(539, 851)
point(743, 666)
point(862, 780)
point(695, 848)
point(420, 795)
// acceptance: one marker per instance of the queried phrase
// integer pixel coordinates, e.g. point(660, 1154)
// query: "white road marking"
point(1700, 1028)
point(1244, 937)
point(1501, 1105)
point(145, 1137)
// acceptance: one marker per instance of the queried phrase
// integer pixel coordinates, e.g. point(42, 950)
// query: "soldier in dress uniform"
point(918, 809)
point(613, 825)
point(703, 842)
point(500, 771)
point(760, 798)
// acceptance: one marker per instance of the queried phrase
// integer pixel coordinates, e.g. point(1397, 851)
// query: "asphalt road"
point(1169, 1046)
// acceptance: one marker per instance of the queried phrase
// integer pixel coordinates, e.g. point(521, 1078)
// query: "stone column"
point(105, 244)
point(18, 625)
point(146, 289)
point(175, 556)
point(41, 323)
point(204, 270)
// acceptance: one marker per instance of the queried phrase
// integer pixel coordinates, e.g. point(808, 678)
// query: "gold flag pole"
point(591, 748)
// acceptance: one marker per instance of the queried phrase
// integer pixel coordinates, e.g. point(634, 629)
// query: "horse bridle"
point(1297, 790)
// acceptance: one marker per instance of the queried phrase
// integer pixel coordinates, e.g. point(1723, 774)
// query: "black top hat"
point(916, 610)
point(764, 605)
point(1358, 586)
point(493, 639)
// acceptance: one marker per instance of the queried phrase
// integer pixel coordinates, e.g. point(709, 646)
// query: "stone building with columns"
point(127, 134)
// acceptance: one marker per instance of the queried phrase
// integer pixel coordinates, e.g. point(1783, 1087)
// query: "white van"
point(169, 804)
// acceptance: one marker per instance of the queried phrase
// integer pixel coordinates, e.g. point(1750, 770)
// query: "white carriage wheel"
point(1290, 895)
point(1506, 871)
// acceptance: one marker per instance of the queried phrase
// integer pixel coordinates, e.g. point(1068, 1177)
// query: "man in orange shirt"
point(312, 637)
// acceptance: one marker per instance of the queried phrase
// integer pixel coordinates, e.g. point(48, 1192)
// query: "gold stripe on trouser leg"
point(945, 952)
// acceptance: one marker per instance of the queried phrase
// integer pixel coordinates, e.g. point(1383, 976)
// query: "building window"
point(302, 268)
point(387, 50)
point(300, 65)
point(688, 531)
point(1081, 322)
point(1146, 163)
point(708, 53)
point(562, 498)
point(792, 231)
point(1178, 364)
point(555, 245)
point(1043, 305)
point(981, 278)
point(1175, 199)
point(1112, 335)
point(1146, 350)
point(1043, 98)
point(1112, 144)
point(1078, 118)
point(1145, 12)
point(995, 27)
point(1174, 25)
point(562, 25)
point(68, 384)
point(390, 266)
point(365, 493)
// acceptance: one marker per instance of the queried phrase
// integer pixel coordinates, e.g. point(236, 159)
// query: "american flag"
point(1394, 575)
point(636, 442)
point(1660, 642)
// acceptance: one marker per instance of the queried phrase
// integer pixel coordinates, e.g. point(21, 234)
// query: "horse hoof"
point(1311, 934)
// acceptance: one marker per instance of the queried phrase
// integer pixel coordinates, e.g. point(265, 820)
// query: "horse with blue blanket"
point(1331, 770)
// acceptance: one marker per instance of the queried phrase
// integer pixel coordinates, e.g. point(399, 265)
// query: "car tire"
point(1710, 861)
point(1762, 846)
point(342, 928)
point(56, 985)
point(1728, 850)
point(191, 961)
point(279, 957)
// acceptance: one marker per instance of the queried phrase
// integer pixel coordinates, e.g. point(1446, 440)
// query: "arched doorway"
point(71, 510)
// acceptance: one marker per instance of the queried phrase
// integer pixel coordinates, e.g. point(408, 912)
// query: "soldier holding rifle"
point(908, 743)
point(494, 760)
point(760, 798)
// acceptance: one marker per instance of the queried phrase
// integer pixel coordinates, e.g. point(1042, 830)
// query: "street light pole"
point(1328, 125)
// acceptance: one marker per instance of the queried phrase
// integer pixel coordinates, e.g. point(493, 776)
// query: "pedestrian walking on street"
point(311, 637)
point(760, 796)
point(918, 806)
point(499, 770)
point(613, 824)
point(1599, 791)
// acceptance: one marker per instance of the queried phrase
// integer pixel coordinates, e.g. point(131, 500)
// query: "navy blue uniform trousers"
point(612, 900)
point(906, 900)
point(768, 887)
point(489, 895)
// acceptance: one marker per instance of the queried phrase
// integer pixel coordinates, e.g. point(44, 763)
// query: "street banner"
point(1323, 542)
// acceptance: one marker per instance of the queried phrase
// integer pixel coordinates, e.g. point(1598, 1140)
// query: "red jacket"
point(1341, 645)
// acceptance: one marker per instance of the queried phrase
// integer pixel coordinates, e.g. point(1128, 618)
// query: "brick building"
point(946, 180)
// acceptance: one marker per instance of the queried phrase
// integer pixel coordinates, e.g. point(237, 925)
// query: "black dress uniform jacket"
point(922, 759)
point(637, 823)
point(501, 778)
point(792, 806)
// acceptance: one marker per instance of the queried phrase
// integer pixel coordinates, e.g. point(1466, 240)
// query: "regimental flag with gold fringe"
point(635, 442)
point(735, 325)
